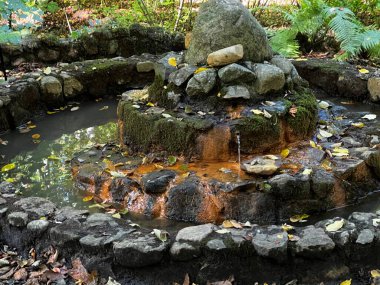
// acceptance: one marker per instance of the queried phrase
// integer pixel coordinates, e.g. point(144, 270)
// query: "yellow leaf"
point(185, 175)
point(326, 165)
point(116, 216)
point(236, 224)
point(10, 180)
point(150, 104)
point(8, 167)
point(285, 152)
point(358, 125)
point(257, 112)
point(375, 273)
point(363, 70)
point(335, 226)
point(32, 126)
point(88, 198)
point(307, 171)
point(287, 227)
point(298, 218)
point(36, 136)
point(313, 144)
point(47, 70)
point(50, 112)
point(53, 157)
point(227, 224)
point(172, 61)
point(346, 282)
point(325, 134)
point(200, 69)
point(340, 151)
point(301, 59)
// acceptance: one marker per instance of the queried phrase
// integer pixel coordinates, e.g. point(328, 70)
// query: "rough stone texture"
point(374, 88)
point(215, 245)
point(181, 76)
point(48, 55)
point(38, 226)
point(268, 78)
point(322, 183)
point(163, 69)
point(225, 56)
point(145, 66)
point(290, 187)
point(235, 73)
point(51, 89)
point(260, 166)
point(282, 63)
point(314, 242)
point(7, 188)
point(366, 236)
point(201, 83)
point(182, 251)
point(70, 213)
point(224, 23)
point(195, 234)
point(18, 219)
point(71, 86)
point(139, 252)
point(158, 181)
point(273, 245)
point(235, 92)
point(36, 207)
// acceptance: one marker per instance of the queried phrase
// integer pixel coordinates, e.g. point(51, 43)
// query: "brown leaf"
point(7, 275)
point(293, 110)
point(53, 258)
point(20, 274)
point(79, 273)
point(32, 281)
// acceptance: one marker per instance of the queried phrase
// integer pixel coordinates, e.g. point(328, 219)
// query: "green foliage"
point(315, 20)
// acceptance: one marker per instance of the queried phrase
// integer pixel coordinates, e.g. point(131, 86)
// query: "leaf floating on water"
point(369, 117)
point(53, 157)
point(3, 142)
point(285, 153)
point(47, 70)
point(51, 112)
point(88, 198)
point(358, 125)
point(223, 231)
point(172, 160)
point(257, 112)
point(363, 70)
point(346, 282)
point(325, 134)
point(161, 235)
point(8, 167)
point(335, 226)
point(299, 218)
point(116, 216)
point(267, 114)
point(200, 69)
point(323, 105)
point(172, 61)
point(104, 108)
point(36, 136)
point(375, 273)
point(74, 109)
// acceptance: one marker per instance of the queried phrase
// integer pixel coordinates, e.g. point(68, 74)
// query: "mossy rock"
point(304, 123)
point(151, 132)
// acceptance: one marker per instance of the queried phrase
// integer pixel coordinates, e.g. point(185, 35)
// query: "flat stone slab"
point(314, 242)
point(36, 207)
point(195, 234)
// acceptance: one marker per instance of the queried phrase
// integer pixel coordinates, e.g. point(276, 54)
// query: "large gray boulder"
point(269, 78)
point(224, 23)
point(201, 83)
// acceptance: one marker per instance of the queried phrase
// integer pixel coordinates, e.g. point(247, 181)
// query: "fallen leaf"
point(8, 167)
point(257, 112)
point(116, 216)
point(307, 171)
point(326, 165)
point(53, 258)
point(346, 282)
point(375, 273)
point(103, 108)
point(51, 112)
point(223, 231)
point(340, 151)
point(313, 144)
point(376, 222)
point(150, 104)
point(74, 109)
point(36, 136)
point(270, 156)
point(247, 224)
point(325, 134)
point(358, 125)
point(363, 70)
point(165, 115)
point(285, 153)
point(172, 61)
point(88, 198)
point(112, 281)
point(172, 160)
point(335, 226)
point(47, 70)
point(161, 235)
point(227, 224)
point(293, 111)
point(267, 114)
point(20, 274)
point(293, 237)
point(323, 105)
point(117, 174)
point(187, 280)
point(299, 218)
point(136, 106)
point(369, 117)
point(200, 69)
point(301, 59)
point(287, 227)
point(79, 273)
point(53, 157)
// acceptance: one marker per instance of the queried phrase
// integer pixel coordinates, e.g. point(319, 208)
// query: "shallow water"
point(65, 133)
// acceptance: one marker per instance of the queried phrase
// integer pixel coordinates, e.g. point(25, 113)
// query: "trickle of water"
point(239, 156)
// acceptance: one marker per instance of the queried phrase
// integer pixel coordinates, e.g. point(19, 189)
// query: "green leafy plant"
point(315, 20)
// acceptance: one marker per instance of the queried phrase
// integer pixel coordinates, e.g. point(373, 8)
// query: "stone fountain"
point(226, 94)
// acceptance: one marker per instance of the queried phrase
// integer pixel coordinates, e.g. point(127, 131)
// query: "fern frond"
point(284, 42)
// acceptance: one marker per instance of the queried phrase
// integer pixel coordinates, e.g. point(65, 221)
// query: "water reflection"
point(46, 172)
